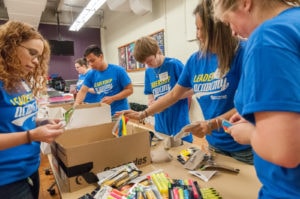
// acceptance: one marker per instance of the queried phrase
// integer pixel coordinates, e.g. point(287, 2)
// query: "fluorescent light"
point(86, 14)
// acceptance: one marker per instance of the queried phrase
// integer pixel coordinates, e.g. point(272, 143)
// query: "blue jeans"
point(23, 189)
point(245, 156)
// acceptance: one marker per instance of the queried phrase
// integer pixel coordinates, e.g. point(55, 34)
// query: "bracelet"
point(209, 124)
point(141, 117)
point(218, 126)
point(146, 113)
point(28, 137)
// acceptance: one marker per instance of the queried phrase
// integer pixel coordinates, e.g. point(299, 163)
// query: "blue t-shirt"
point(159, 81)
point(90, 97)
point(270, 82)
point(18, 114)
point(214, 93)
point(109, 82)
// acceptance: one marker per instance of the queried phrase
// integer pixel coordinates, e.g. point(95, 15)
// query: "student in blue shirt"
point(213, 73)
point(268, 96)
point(83, 69)
point(24, 58)
point(109, 81)
point(161, 76)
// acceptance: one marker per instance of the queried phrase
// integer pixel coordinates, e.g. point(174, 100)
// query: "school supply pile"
point(154, 185)
point(202, 164)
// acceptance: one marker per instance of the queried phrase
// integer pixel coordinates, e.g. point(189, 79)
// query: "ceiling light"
point(86, 14)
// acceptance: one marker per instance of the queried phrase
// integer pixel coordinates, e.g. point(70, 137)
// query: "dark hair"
point(96, 50)
point(81, 62)
point(217, 35)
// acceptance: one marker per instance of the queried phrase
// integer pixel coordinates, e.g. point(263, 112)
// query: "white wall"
point(174, 16)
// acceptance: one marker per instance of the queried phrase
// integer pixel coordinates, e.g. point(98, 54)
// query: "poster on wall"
point(122, 57)
point(131, 62)
point(125, 52)
point(159, 37)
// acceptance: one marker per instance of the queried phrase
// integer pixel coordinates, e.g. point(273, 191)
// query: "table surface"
point(243, 185)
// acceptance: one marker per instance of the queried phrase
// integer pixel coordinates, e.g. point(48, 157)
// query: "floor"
point(47, 180)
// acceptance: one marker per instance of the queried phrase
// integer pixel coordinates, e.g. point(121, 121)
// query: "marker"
point(186, 193)
point(194, 190)
point(114, 195)
point(170, 191)
point(180, 193)
point(198, 189)
point(176, 193)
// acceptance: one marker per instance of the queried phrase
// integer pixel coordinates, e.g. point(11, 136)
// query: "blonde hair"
point(12, 34)
point(145, 47)
point(222, 6)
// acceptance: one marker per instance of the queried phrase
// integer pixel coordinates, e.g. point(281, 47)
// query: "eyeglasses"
point(33, 53)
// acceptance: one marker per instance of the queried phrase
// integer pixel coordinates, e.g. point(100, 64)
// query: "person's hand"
point(241, 130)
point(73, 91)
point(107, 100)
point(131, 114)
point(46, 133)
point(47, 121)
point(237, 118)
point(199, 128)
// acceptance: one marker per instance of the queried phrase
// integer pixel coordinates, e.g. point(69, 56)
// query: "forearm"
point(123, 94)
point(9, 140)
point(162, 103)
point(216, 122)
point(91, 90)
point(80, 97)
point(187, 94)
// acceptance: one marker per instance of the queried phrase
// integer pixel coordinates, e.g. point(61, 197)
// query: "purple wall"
point(64, 65)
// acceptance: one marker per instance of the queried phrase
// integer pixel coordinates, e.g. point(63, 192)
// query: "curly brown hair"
point(12, 34)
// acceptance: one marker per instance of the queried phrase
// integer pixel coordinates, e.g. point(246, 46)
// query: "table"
point(244, 185)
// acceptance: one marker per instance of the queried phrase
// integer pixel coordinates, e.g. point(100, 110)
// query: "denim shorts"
point(23, 189)
point(245, 156)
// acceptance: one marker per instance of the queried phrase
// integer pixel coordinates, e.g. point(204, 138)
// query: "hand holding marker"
point(226, 124)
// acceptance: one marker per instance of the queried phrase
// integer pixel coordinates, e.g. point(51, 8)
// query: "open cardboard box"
point(57, 111)
point(83, 115)
point(81, 153)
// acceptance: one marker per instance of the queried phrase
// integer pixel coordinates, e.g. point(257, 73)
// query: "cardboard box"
point(57, 111)
point(83, 115)
point(81, 153)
